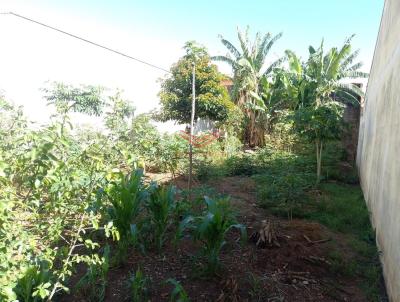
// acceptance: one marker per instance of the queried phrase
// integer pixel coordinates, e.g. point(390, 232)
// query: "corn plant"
point(139, 286)
point(211, 228)
point(33, 285)
point(95, 279)
point(126, 195)
point(161, 205)
point(178, 294)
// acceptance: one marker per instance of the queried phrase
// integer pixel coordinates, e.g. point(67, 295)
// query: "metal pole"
point(191, 132)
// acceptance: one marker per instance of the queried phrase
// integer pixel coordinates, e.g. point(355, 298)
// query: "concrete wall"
point(378, 155)
point(351, 117)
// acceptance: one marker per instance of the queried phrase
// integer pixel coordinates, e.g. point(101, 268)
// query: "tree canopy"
point(318, 94)
point(249, 70)
point(212, 99)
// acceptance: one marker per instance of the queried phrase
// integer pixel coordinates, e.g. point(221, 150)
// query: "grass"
point(286, 187)
point(341, 208)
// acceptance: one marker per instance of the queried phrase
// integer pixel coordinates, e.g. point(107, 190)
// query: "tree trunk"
point(255, 135)
point(318, 145)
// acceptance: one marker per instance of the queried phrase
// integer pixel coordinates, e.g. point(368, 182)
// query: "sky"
point(155, 31)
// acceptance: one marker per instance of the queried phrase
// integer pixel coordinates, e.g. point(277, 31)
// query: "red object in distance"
point(200, 141)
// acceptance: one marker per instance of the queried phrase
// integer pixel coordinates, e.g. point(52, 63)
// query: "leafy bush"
point(284, 191)
point(34, 284)
point(94, 282)
point(171, 153)
point(48, 190)
point(144, 138)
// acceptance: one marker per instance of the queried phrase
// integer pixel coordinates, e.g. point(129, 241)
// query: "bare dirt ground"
point(298, 270)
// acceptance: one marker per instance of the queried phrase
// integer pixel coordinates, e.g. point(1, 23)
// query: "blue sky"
point(302, 22)
point(155, 31)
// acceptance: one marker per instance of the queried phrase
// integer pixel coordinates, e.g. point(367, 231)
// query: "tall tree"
point(85, 99)
point(118, 118)
point(212, 99)
point(318, 92)
point(249, 65)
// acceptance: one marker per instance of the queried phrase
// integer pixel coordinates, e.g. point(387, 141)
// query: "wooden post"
point(191, 132)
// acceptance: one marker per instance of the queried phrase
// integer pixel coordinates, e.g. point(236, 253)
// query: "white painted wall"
point(379, 145)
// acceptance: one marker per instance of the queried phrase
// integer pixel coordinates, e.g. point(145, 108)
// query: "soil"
point(298, 270)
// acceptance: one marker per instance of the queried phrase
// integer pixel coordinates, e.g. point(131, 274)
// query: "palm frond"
point(354, 89)
point(294, 62)
point(341, 58)
point(357, 74)
point(273, 65)
point(350, 58)
point(348, 40)
point(260, 55)
point(255, 46)
point(332, 63)
point(346, 96)
point(271, 43)
point(230, 47)
point(356, 66)
point(226, 60)
point(244, 42)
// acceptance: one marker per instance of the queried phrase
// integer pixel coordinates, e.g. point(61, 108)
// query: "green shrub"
point(33, 285)
point(206, 170)
point(171, 154)
point(231, 145)
point(94, 282)
point(144, 139)
point(283, 192)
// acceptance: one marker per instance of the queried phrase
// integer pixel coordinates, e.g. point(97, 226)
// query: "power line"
point(85, 40)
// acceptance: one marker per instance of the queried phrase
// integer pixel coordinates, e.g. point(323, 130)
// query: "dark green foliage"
point(139, 286)
point(126, 194)
point(284, 191)
point(161, 206)
point(342, 208)
point(211, 227)
point(206, 170)
point(33, 285)
point(178, 293)
point(66, 98)
point(212, 100)
point(144, 138)
point(93, 283)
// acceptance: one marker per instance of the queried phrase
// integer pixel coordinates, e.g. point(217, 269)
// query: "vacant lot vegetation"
point(272, 215)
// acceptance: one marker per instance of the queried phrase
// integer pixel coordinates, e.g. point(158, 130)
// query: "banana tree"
point(318, 93)
point(249, 68)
